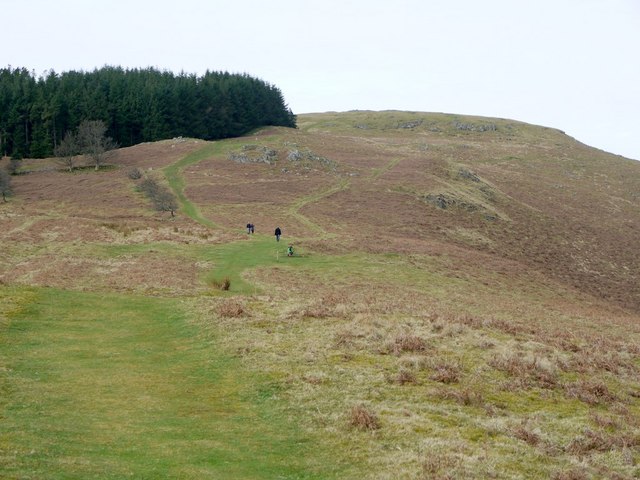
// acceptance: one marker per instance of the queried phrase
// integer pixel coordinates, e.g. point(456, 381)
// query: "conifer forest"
point(136, 105)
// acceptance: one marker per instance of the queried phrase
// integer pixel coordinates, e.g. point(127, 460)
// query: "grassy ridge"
point(116, 386)
point(177, 183)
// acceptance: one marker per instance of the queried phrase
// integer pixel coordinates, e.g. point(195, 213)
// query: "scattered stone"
point(255, 154)
point(412, 124)
point(468, 175)
point(308, 159)
point(471, 127)
point(294, 156)
point(445, 201)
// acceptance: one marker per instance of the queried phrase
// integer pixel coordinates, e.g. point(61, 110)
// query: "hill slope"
point(464, 302)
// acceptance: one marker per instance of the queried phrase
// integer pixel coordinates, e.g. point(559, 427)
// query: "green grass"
point(173, 173)
point(114, 386)
point(232, 259)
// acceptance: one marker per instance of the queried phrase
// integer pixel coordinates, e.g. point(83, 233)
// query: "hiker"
point(290, 251)
point(278, 233)
point(249, 228)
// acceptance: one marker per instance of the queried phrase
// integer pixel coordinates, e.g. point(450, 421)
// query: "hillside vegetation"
point(464, 302)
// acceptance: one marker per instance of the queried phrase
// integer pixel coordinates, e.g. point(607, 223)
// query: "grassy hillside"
point(464, 302)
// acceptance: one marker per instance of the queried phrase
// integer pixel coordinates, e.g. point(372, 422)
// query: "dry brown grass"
point(439, 466)
point(224, 284)
point(231, 308)
point(404, 377)
point(598, 441)
point(573, 474)
point(526, 434)
point(526, 372)
point(466, 396)
point(363, 418)
point(446, 371)
point(407, 343)
point(591, 392)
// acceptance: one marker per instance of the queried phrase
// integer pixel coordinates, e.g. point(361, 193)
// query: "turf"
point(112, 386)
point(233, 259)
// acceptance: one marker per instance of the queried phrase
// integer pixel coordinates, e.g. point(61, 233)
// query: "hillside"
point(464, 301)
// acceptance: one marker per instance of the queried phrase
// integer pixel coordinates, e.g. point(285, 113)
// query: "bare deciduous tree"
point(94, 142)
point(67, 149)
point(5, 184)
point(163, 199)
point(14, 166)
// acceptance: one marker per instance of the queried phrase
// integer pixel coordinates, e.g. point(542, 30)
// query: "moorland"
point(463, 302)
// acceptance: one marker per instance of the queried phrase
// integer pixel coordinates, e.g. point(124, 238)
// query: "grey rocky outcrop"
point(472, 127)
point(255, 154)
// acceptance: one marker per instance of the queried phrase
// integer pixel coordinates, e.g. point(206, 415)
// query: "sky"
point(567, 64)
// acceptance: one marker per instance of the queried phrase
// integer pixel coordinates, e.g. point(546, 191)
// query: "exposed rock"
point(294, 156)
point(446, 201)
point(471, 127)
point(254, 154)
point(412, 124)
point(308, 159)
point(468, 175)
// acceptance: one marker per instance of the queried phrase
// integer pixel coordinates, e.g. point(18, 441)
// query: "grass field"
point(112, 386)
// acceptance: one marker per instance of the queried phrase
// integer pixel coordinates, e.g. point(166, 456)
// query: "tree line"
point(135, 105)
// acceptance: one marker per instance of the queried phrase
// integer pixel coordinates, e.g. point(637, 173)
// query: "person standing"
point(248, 228)
point(278, 233)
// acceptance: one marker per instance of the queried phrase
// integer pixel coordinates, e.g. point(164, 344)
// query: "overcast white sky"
point(568, 64)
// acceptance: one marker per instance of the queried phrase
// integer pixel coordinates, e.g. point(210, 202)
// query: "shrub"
point(466, 397)
point(404, 377)
point(571, 475)
point(224, 284)
point(592, 392)
point(528, 371)
point(362, 418)
point(588, 442)
point(407, 343)
point(446, 372)
point(14, 166)
point(149, 187)
point(134, 173)
point(5, 184)
point(438, 466)
point(521, 432)
point(231, 309)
